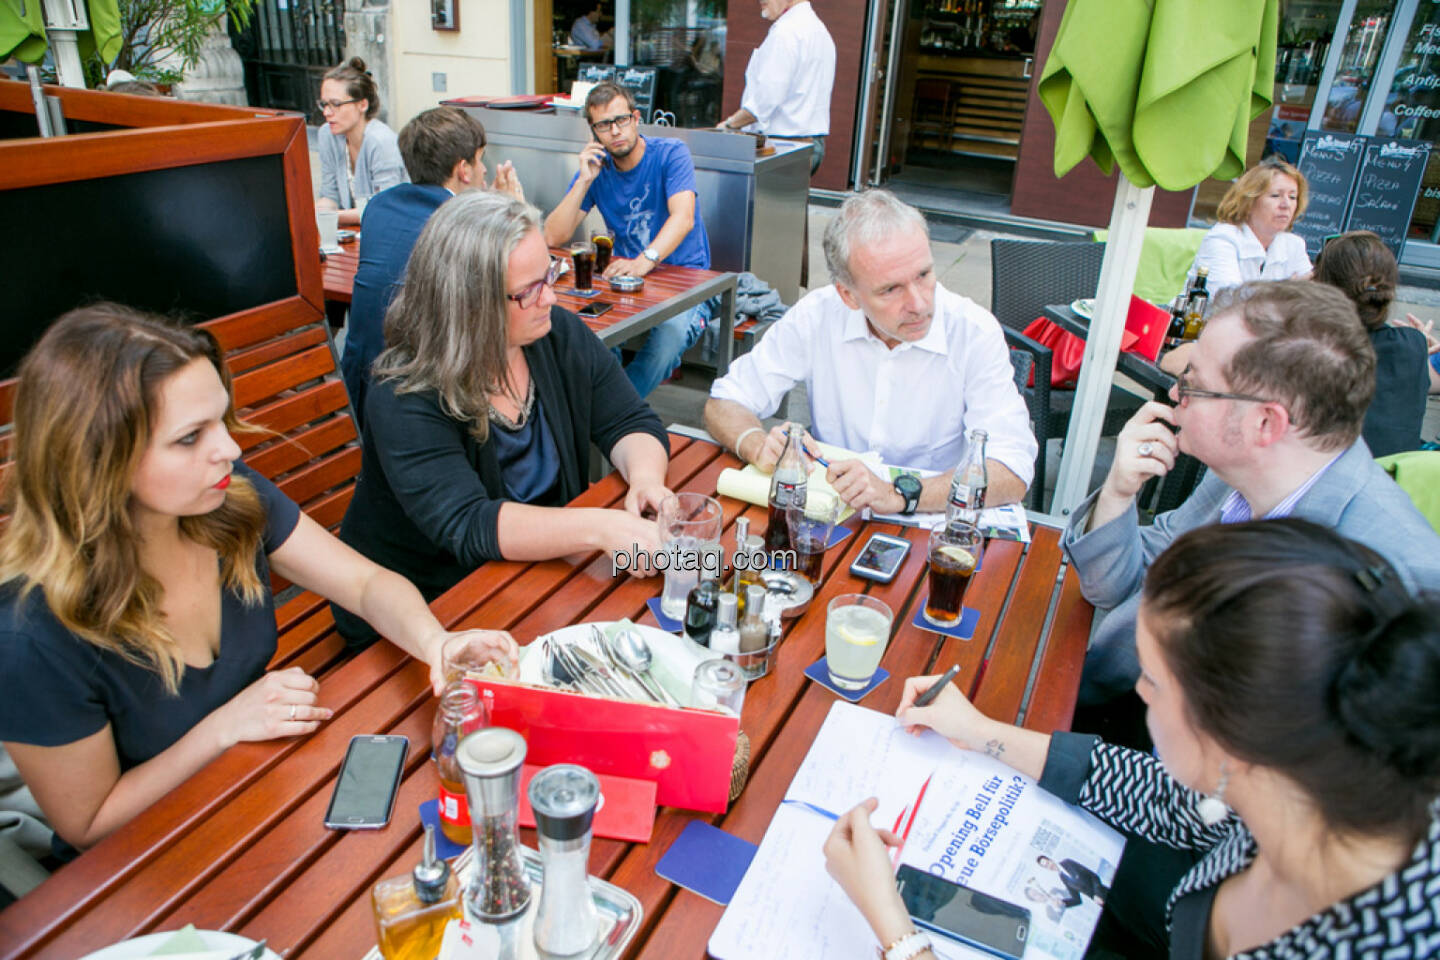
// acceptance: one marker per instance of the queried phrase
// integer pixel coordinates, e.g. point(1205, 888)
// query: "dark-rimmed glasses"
point(1183, 391)
point(612, 124)
point(528, 297)
point(327, 105)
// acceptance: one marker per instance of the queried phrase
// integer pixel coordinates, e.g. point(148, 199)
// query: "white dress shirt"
point(915, 404)
point(1233, 255)
point(790, 76)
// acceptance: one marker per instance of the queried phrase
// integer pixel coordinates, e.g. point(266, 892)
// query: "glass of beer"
point(954, 555)
point(604, 245)
point(810, 525)
point(857, 628)
point(584, 254)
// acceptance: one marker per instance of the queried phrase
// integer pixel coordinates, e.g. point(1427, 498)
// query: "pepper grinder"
point(490, 759)
point(563, 797)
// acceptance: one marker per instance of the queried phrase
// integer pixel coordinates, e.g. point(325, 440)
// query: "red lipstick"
point(224, 482)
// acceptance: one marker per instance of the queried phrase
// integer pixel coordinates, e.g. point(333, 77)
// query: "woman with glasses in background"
point(359, 155)
point(481, 412)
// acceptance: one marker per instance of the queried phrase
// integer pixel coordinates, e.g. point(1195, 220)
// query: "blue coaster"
point(587, 294)
point(707, 860)
point(838, 535)
point(445, 848)
point(964, 630)
point(666, 624)
point(819, 671)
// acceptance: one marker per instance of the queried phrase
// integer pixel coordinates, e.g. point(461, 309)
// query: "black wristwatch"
point(908, 486)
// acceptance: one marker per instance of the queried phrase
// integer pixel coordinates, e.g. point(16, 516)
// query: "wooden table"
point(241, 847)
point(669, 290)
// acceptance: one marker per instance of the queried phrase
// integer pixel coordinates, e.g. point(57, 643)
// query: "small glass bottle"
point(750, 554)
point(459, 714)
point(753, 634)
point(1175, 335)
point(787, 486)
point(725, 638)
point(491, 761)
point(563, 797)
point(1195, 307)
point(969, 484)
point(700, 609)
point(411, 911)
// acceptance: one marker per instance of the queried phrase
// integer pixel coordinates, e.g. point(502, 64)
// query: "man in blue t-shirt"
point(645, 189)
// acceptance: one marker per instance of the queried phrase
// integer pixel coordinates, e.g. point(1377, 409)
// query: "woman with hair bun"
point(1362, 267)
point(1291, 684)
point(136, 618)
point(359, 155)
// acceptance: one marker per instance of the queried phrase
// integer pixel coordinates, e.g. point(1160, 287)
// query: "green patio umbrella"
point(1165, 90)
point(22, 30)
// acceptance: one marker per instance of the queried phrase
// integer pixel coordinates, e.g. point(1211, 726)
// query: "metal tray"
point(619, 915)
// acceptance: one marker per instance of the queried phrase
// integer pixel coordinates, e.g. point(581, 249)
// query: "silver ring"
point(1145, 448)
point(292, 711)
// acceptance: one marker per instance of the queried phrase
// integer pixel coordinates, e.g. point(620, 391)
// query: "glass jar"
point(491, 759)
point(459, 714)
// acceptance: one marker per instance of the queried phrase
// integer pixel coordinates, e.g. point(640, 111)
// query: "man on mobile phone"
point(645, 189)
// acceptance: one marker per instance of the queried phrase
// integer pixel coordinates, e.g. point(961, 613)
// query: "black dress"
point(1402, 382)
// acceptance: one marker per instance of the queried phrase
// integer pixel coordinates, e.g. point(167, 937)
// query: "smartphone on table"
point(595, 308)
point(881, 558)
point(369, 779)
point(966, 916)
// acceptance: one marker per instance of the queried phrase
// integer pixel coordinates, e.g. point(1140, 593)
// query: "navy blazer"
point(391, 225)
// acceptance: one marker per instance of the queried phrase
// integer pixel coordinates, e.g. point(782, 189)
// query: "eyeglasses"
point(613, 124)
point(530, 296)
point(328, 105)
point(1183, 391)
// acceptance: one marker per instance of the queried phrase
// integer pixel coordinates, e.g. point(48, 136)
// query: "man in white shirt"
point(892, 362)
point(789, 78)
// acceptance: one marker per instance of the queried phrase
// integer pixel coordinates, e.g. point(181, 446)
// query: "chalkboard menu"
point(1330, 162)
point(1386, 189)
point(639, 81)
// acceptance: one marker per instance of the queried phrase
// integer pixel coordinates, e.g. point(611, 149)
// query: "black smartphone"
point(881, 558)
point(968, 916)
point(364, 795)
point(595, 308)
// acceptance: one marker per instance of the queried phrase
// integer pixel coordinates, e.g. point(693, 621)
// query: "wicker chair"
point(1025, 277)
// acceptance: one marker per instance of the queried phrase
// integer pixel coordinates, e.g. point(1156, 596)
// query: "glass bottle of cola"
point(787, 486)
point(967, 488)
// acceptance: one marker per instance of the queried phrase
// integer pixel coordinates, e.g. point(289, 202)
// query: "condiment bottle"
point(563, 797)
point(459, 714)
point(1195, 306)
point(787, 486)
point(411, 911)
point(491, 760)
point(753, 633)
point(700, 609)
point(725, 638)
point(750, 554)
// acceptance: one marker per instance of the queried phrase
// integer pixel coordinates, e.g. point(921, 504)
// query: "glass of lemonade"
point(857, 628)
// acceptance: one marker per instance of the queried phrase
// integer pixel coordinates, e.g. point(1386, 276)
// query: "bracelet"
point(911, 945)
point(741, 439)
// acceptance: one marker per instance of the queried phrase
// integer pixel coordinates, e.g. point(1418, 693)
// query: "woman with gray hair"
point(482, 410)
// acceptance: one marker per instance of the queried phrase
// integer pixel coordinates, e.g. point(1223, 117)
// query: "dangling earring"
point(1212, 808)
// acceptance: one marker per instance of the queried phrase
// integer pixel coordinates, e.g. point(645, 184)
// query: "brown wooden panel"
point(298, 638)
point(127, 110)
point(1007, 669)
point(240, 361)
point(322, 475)
point(257, 385)
point(299, 408)
point(329, 510)
point(249, 327)
point(289, 453)
point(1052, 702)
point(297, 608)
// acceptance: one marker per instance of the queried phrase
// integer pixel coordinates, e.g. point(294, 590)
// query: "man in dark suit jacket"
point(443, 150)
point(1079, 880)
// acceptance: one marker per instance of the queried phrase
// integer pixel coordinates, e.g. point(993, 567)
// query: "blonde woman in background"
point(1253, 241)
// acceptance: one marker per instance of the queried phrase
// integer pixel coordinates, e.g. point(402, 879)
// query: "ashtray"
point(790, 589)
point(627, 284)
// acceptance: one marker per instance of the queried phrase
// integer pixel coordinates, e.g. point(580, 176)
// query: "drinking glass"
point(954, 555)
point(689, 523)
point(718, 684)
point(584, 254)
point(810, 525)
point(604, 242)
point(328, 222)
point(461, 655)
point(857, 628)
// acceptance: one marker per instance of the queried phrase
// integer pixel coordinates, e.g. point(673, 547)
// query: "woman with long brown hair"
point(136, 619)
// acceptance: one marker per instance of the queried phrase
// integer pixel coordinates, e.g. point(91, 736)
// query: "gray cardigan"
point(378, 166)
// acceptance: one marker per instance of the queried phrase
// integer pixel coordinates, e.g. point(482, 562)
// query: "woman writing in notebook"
point(1290, 681)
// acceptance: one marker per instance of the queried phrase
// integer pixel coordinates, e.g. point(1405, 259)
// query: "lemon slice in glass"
point(959, 555)
point(855, 639)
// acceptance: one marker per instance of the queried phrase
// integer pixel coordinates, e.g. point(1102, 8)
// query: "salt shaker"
point(490, 759)
point(563, 797)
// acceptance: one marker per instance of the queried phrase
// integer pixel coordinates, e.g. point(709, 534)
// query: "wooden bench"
point(286, 382)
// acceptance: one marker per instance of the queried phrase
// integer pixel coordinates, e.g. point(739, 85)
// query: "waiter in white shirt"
point(789, 79)
point(891, 362)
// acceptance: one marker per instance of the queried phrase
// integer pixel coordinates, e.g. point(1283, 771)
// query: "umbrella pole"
point(1128, 219)
point(63, 20)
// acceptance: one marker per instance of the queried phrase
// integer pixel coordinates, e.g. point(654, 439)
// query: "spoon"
point(633, 653)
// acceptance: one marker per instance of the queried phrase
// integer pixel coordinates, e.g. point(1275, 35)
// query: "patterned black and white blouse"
point(1397, 918)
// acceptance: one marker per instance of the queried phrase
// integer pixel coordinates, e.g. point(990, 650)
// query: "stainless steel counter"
point(753, 207)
